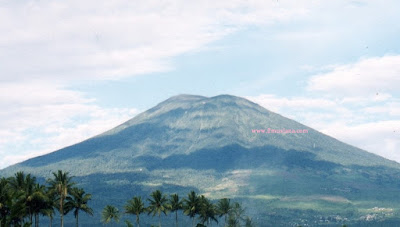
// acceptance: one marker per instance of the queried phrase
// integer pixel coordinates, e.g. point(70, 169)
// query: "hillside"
point(208, 144)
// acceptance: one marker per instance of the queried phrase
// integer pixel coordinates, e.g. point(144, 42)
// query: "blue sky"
point(71, 70)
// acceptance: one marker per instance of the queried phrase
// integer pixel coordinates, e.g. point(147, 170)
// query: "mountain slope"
point(208, 144)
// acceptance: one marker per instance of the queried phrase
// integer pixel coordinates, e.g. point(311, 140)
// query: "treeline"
point(23, 201)
point(196, 207)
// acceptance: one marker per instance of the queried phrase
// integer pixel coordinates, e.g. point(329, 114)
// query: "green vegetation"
point(78, 202)
point(109, 214)
point(158, 205)
point(224, 207)
point(176, 205)
point(135, 206)
point(61, 185)
point(191, 205)
point(23, 201)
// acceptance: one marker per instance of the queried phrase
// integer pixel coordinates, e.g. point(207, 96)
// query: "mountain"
point(212, 145)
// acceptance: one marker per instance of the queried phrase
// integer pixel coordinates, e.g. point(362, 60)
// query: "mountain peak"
point(184, 124)
point(185, 97)
point(211, 144)
point(189, 101)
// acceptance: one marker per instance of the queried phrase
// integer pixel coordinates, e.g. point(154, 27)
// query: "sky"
point(70, 70)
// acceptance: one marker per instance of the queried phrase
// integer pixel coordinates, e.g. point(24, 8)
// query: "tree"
point(51, 204)
point(18, 181)
point(206, 211)
point(158, 204)
point(17, 208)
point(128, 223)
point(223, 208)
point(22, 187)
point(233, 221)
point(248, 222)
point(190, 205)
point(5, 201)
point(78, 201)
point(135, 206)
point(176, 204)
point(235, 215)
point(38, 202)
point(61, 184)
point(110, 213)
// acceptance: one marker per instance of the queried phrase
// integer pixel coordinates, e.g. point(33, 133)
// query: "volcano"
point(284, 172)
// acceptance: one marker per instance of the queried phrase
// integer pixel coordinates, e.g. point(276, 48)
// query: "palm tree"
point(235, 215)
point(223, 208)
point(51, 204)
point(191, 205)
point(135, 206)
point(176, 204)
point(38, 201)
point(158, 205)
point(237, 210)
point(49, 213)
point(233, 221)
point(207, 210)
point(128, 223)
point(22, 187)
point(78, 201)
point(110, 213)
point(5, 201)
point(61, 184)
point(249, 222)
point(18, 181)
point(29, 188)
point(17, 208)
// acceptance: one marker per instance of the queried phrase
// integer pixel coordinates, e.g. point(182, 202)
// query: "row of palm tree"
point(192, 206)
point(23, 200)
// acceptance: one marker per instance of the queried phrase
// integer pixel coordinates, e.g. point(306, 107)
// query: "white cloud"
point(365, 87)
point(277, 103)
point(367, 76)
point(39, 118)
point(113, 39)
point(390, 108)
point(381, 137)
point(341, 119)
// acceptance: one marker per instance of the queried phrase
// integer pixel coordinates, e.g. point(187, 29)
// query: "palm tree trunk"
point(159, 219)
point(137, 220)
point(51, 221)
point(176, 218)
point(192, 221)
point(77, 219)
point(61, 212)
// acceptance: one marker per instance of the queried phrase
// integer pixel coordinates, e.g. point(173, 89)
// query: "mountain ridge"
point(206, 144)
point(181, 103)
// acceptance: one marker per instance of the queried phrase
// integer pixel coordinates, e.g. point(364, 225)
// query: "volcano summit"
point(209, 144)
